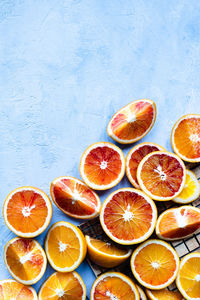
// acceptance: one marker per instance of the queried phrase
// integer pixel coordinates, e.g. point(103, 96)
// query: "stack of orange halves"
point(128, 216)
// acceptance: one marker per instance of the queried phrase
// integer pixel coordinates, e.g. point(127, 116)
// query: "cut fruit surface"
point(161, 175)
point(185, 138)
point(25, 260)
point(112, 286)
point(133, 121)
point(178, 223)
point(75, 198)
point(191, 190)
point(164, 294)
point(66, 286)
point(104, 254)
point(189, 276)
point(102, 165)
point(134, 157)
point(65, 246)
point(155, 264)
point(141, 293)
point(11, 289)
point(128, 216)
point(27, 211)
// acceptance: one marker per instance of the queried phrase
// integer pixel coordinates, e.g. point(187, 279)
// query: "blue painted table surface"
point(68, 65)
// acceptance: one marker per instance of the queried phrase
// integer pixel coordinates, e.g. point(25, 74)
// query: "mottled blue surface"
point(67, 66)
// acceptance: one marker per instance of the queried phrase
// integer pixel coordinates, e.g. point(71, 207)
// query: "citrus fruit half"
point(141, 293)
point(75, 198)
point(114, 285)
point(25, 260)
point(66, 286)
point(185, 138)
point(178, 223)
point(164, 294)
point(27, 211)
point(134, 157)
point(128, 216)
point(65, 246)
point(104, 254)
point(161, 175)
point(133, 121)
point(11, 289)
point(102, 165)
point(155, 264)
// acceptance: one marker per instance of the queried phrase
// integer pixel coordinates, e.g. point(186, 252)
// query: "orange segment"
point(128, 216)
point(27, 211)
point(75, 198)
point(178, 223)
point(155, 264)
point(161, 175)
point(164, 294)
point(185, 138)
point(102, 165)
point(25, 260)
point(133, 121)
point(11, 289)
point(66, 286)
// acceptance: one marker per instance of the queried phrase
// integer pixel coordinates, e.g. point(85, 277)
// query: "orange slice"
point(25, 260)
point(134, 157)
point(178, 223)
point(185, 138)
point(141, 293)
point(27, 211)
point(133, 121)
point(155, 264)
point(112, 286)
point(65, 246)
point(161, 175)
point(11, 289)
point(128, 216)
point(104, 254)
point(164, 294)
point(75, 198)
point(66, 286)
point(102, 165)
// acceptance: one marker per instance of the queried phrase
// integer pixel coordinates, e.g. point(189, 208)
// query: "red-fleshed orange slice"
point(11, 289)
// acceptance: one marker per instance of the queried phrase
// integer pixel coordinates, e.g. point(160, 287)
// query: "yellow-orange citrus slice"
point(27, 211)
point(189, 276)
point(75, 198)
point(161, 175)
point(25, 260)
point(65, 246)
point(102, 165)
point(66, 286)
point(114, 285)
point(191, 190)
point(185, 137)
point(141, 293)
point(178, 223)
point(11, 289)
point(164, 294)
point(134, 157)
point(128, 216)
point(133, 121)
point(104, 254)
point(155, 264)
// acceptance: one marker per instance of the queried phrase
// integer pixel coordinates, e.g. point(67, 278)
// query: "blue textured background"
point(67, 66)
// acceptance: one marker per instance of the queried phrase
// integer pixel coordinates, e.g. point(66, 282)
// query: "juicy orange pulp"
point(10, 289)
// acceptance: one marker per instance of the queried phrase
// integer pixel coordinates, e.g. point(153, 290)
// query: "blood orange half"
point(11, 289)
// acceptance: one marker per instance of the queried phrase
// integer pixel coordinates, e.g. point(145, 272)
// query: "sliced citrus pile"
point(11, 289)
point(178, 223)
point(114, 285)
point(133, 121)
point(164, 294)
point(66, 286)
point(155, 264)
point(191, 189)
point(185, 137)
point(141, 293)
point(161, 175)
point(134, 157)
point(128, 216)
point(104, 254)
point(102, 165)
point(27, 211)
point(75, 198)
point(65, 246)
point(189, 276)
point(25, 260)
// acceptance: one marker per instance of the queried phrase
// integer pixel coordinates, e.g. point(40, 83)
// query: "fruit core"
point(25, 258)
point(128, 215)
point(62, 246)
point(161, 173)
point(131, 118)
point(112, 297)
point(155, 265)
point(59, 292)
point(197, 278)
point(26, 211)
point(103, 165)
point(194, 138)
